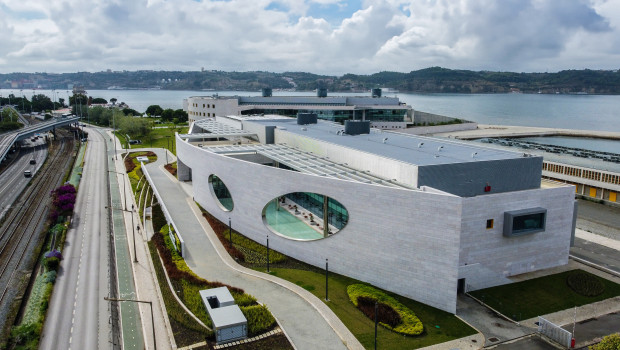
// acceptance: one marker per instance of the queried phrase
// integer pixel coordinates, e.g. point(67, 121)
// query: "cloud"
point(320, 36)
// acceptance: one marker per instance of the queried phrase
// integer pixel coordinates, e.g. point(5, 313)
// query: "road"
point(12, 180)
point(78, 317)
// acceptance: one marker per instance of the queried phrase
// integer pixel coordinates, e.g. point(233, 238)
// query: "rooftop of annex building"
point(411, 149)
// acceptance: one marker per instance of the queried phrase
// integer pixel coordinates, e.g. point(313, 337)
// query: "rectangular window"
point(489, 224)
point(524, 222)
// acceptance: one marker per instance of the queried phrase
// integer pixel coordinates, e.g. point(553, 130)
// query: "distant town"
point(428, 80)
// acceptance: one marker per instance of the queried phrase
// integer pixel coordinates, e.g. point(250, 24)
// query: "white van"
point(28, 173)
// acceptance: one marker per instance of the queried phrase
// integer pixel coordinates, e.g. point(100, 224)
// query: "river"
point(584, 112)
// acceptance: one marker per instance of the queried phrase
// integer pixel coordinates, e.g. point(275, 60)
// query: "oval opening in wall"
point(221, 193)
point(305, 216)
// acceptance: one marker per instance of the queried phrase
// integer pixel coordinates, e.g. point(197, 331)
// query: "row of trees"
point(168, 115)
point(39, 103)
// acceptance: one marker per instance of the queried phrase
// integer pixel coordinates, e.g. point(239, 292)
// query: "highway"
point(12, 180)
point(78, 317)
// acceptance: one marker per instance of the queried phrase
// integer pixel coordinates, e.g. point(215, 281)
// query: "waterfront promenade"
point(487, 130)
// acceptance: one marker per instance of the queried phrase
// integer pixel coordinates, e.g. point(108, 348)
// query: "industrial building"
point(422, 217)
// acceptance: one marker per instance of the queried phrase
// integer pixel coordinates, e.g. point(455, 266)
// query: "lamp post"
point(326, 280)
point(230, 231)
point(124, 188)
point(268, 254)
point(143, 302)
point(135, 255)
point(376, 307)
point(23, 108)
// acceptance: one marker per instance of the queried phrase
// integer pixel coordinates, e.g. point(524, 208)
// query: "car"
point(28, 173)
point(32, 161)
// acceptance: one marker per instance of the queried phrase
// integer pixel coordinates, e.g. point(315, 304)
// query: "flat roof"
point(306, 162)
point(215, 129)
point(412, 149)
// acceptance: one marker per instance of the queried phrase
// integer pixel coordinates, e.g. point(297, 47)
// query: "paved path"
point(485, 130)
point(306, 320)
point(146, 288)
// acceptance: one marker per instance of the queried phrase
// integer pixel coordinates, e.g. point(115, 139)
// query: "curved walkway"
point(306, 320)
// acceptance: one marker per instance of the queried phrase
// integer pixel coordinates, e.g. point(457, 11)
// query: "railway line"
point(20, 231)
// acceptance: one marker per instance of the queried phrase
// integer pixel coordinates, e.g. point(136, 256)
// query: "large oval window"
point(305, 216)
point(221, 193)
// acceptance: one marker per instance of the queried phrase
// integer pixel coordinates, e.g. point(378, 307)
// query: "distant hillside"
point(429, 80)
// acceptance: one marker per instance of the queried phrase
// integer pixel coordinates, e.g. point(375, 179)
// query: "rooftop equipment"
point(321, 92)
point(267, 92)
point(356, 127)
point(376, 92)
point(306, 118)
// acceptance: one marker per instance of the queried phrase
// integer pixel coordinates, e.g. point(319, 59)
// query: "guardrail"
point(164, 209)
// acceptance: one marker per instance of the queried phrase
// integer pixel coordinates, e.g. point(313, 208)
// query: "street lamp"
point(144, 302)
point(135, 255)
point(268, 254)
point(326, 280)
point(230, 231)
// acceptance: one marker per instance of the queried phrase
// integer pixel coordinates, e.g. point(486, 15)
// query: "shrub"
point(49, 277)
point(610, 342)
point(585, 284)
point(27, 334)
point(51, 263)
point(171, 169)
point(259, 319)
point(410, 323)
point(129, 164)
point(159, 220)
point(385, 314)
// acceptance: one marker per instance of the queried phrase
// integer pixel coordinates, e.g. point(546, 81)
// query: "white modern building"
point(425, 218)
point(382, 112)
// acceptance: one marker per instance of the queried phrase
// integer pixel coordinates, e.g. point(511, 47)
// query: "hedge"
point(259, 319)
point(410, 325)
point(585, 284)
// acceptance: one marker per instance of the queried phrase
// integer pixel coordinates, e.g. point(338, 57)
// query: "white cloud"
point(518, 35)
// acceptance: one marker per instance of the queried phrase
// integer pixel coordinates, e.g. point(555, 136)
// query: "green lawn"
point(449, 327)
point(158, 138)
point(540, 296)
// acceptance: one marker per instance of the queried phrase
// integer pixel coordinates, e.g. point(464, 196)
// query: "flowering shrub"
point(63, 200)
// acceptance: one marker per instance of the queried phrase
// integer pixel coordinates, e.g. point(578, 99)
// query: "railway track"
point(21, 225)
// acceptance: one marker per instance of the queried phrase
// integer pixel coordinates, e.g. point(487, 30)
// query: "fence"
point(555, 332)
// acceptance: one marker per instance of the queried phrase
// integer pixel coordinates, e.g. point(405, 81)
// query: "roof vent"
point(356, 127)
point(420, 144)
point(473, 155)
point(439, 148)
point(306, 118)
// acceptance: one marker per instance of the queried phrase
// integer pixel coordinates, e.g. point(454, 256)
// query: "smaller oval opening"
point(305, 216)
point(221, 193)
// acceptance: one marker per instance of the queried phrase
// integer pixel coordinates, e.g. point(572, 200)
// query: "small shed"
point(229, 323)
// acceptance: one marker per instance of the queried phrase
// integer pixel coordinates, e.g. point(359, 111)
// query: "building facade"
point(424, 218)
point(382, 112)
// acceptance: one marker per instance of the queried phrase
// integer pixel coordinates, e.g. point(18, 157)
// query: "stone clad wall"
point(487, 258)
point(401, 240)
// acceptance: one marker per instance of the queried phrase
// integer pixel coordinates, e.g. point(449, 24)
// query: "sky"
point(319, 36)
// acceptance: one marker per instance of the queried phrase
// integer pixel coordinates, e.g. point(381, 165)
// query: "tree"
point(113, 100)
point(610, 342)
point(167, 115)
point(154, 110)
point(99, 100)
point(180, 115)
point(129, 111)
